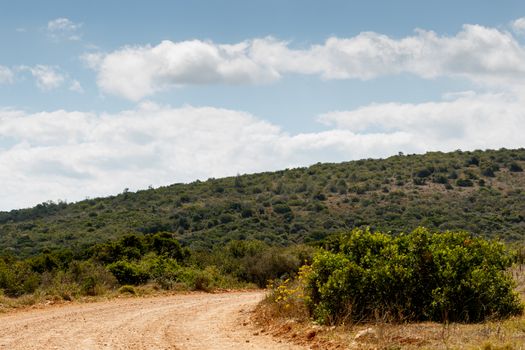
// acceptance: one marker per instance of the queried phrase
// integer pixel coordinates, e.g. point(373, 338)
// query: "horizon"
point(97, 97)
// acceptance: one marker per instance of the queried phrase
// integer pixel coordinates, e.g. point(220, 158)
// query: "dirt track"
point(193, 321)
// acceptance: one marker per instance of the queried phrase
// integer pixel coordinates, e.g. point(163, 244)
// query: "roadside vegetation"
point(137, 263)
point(419, 276)
point(422, 289)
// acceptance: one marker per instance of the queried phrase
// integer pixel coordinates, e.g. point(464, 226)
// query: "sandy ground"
point(193, 321)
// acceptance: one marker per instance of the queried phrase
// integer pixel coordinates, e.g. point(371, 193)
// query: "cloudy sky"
point(100, 96)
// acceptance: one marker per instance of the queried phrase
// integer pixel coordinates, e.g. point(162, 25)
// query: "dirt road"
point(193, 321)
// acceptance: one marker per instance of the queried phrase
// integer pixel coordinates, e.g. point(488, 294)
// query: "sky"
point(101, 96)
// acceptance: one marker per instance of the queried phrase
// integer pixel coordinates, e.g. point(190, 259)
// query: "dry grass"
point(506, 334)
point(7, 304)
point(44, 298)
point(294, 325)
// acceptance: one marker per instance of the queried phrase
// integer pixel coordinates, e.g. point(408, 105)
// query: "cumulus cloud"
point(63, 29)
point(518, 25)
point(480, 54)
point(483, 55)
point(47, 77)
point(138, 71)
point(6, 75)
point(71, 155)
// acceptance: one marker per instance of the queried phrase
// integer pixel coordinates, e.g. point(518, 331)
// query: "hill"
point(480, 191)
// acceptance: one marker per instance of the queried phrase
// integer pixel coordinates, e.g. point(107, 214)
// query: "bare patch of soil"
point(191, 321)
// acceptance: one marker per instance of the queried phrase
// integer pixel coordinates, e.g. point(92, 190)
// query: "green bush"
point(515, 167)
point(449, 276)
point(81, 278)
point(17, 278)
point(256, 262)
point(464, 183)
point(165, 271)
point(92, 278)
point(128, 272)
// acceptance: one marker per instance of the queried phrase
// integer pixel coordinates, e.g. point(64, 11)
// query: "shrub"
point(515, 167)
point(281, 208)
point(489, 172)
point(449, 276)
point(269, 265)
point(92, 278)
point(426, 172)
point(166, 272)
point(206, 280)
point(128, 273)
point(473, 161)
point(17, 278)
point(60, 285)
point(164, 244)
point(288, 297)
point(256, 262)
point(226, 218)
point(464, 183)
point(440, 179)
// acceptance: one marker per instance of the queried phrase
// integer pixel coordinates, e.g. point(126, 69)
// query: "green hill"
point(481, 191)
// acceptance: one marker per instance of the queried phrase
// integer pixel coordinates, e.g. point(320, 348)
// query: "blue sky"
point(104, 95)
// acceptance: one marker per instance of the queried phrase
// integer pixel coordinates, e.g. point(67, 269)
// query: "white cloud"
point(6, 75)
point(71, 155)
point(93, 60)
point(519, 25)
point(76, 87)
point(135, 72)
point(482, 55)
point(479, 54)
point(47, 77)
point(64, 29)
point(471, 121)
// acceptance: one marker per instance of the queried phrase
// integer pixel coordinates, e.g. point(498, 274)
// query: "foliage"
point(158, 259)
point(257, 262)
point(480, 192)
point(289, 296)
point(250, 229)
point(133, 246)
point(17, 278)
point(448, 276)
point(128, 272)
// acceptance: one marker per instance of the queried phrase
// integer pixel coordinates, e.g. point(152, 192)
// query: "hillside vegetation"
point(482, 192)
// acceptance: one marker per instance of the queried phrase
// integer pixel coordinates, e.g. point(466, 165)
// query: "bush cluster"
point(448, 276)
point(159, 259)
